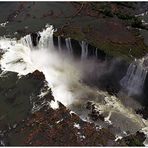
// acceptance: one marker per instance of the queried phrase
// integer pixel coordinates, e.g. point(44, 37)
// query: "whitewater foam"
point(21, 57)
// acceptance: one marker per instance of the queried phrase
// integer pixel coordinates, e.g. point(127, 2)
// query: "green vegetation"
point(124, 16)
point(126, 4)
point(107, 12)
point(138, 49)
point(136, 23)
point(127, 50)
point(105, 9)
point(135, 142)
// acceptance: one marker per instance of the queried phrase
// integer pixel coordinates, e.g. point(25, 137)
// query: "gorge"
point(74, 76)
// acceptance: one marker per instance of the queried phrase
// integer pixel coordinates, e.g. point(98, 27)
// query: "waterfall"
point(59, 70)
point(26, 41)
point(37, 38)
point(59, 43)
point(134, 79)
point(46, 39)
point(84, 48)
point(69, 46)
point(30, 40)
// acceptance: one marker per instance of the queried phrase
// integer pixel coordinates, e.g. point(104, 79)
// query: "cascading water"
point(62, 73)
point(46, 40)
point(23, 58)
point(26, 41)
point(69, 46)
point(134, 79)
point(79, 49)
point(84, 49)
point(59, 44)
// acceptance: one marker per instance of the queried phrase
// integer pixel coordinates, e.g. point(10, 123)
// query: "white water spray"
point(23, 58)
point(134, 79)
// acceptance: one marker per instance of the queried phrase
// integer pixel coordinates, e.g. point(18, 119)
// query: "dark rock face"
point(35, 37)
point(37, 75)
point(55, 41)
point(17, 96)
point(143, 112)
point(77, 48)
point(111, 80)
